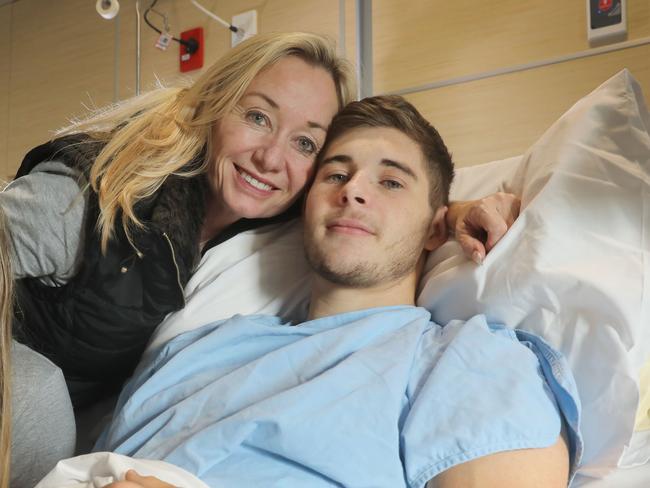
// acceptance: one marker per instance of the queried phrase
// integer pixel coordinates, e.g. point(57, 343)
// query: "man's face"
point(367, 215)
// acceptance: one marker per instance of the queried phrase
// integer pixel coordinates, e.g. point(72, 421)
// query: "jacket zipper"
point(178, 273)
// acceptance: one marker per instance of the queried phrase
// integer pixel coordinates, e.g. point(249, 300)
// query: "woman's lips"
point(254, 182)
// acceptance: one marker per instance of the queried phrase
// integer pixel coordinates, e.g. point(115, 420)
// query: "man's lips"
point(350, 226)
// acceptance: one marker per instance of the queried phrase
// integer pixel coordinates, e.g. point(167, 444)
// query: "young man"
point(368, 391)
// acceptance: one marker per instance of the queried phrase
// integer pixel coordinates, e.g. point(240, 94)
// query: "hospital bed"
point(574, 268)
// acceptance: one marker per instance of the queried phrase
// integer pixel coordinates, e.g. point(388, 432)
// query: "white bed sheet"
point(97, 469)
point(638, 477)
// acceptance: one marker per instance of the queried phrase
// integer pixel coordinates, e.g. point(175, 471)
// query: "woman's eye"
point(257, 118)
point(392, 184)
point(306, 145)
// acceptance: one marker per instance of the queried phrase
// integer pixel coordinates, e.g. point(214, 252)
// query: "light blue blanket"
point(380, 397)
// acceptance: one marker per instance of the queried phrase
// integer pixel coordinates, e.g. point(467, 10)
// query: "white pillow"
point(575, 266)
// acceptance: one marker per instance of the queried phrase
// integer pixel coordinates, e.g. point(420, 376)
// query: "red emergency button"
point(605, 5)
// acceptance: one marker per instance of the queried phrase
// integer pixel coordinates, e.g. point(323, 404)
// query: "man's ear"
point(437, 230)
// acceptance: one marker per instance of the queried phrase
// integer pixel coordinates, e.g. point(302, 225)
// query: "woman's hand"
point(134, 480)
point(479, 224)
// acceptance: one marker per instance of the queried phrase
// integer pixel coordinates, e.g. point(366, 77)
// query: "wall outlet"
point(606, 21)
point(246, 22)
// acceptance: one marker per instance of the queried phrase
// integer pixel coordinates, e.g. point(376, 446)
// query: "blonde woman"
point(168, 175)
point(165, 177)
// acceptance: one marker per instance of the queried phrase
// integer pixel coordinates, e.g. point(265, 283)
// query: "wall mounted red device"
point(191, 57)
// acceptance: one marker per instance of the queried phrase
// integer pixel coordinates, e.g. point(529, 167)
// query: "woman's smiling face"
point(265, 149)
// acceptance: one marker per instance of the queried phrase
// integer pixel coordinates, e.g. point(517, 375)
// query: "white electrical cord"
point(138, 46)
point(215, 17)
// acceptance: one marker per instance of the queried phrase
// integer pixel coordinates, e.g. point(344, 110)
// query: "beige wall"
point(432, 40)
point(420, 41)
point(5, 63)
point(500, 117)
point(61, 58)
point(273, 16)
point(61, 55)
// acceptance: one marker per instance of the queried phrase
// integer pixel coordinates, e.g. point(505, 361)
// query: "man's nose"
point(354, 192)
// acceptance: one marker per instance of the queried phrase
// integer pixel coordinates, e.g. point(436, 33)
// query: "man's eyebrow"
point(344, 158)
point(337, 158)
point(400, 166)
point(273, 103)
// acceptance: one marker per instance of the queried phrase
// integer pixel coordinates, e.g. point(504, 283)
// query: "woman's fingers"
point(485, 222)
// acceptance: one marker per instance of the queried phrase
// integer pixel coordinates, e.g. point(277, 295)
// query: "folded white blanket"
point(101, 468)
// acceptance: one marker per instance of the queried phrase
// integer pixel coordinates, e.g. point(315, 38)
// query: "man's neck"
point(330, 299)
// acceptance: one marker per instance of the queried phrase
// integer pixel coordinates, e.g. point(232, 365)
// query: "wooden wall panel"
point(421, 41)
point(272, 16)
point(5, 62)
point(350, 37)
point(61, 58)
point(500, 117)
point(63, 55)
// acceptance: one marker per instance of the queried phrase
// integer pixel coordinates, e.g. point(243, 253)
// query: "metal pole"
point(137, 47)
point(342, 27)
point(523, 67)
point(364, 47)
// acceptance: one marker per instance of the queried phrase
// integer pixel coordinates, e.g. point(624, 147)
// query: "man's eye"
point(337, 178)
point(306, 145)
point(257, 118)
point(392, 184)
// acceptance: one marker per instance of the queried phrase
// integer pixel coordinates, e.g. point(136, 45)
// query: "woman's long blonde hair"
point(6, 300)
point(157, 134)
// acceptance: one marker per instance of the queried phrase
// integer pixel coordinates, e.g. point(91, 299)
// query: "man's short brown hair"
point(392, 111)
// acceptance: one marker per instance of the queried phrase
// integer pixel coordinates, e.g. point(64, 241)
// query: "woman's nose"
point(269, 156)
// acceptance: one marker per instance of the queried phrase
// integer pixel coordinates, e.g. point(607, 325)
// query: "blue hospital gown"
point(379, 397)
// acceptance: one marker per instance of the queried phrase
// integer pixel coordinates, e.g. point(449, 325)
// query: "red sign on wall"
point(191, 59)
